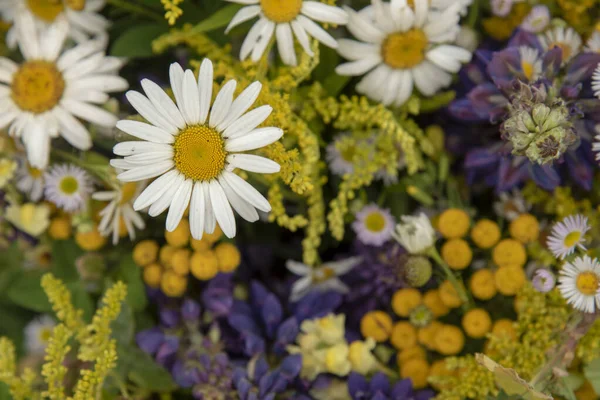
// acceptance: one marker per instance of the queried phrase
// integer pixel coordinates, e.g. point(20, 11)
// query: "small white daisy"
point(38, 333)
point(30, 180)
point(374, 225)
point(593, 43)
point(531, 63)
point(510, 206)
point(67, 186)
point(566, 39)
point(537, 20)
point(579, 283)
point(46, 94)
point(544, 280)
point(322, 278)
point(83, 16)
point(401, 46)
point(193, 149)
point(286, 19)
point(340, 154)
point(501, 8)
point(119, 212)
point(567, 235)
point(415, 233)
point(596, 85)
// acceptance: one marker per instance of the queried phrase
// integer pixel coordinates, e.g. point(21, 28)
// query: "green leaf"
point(81, 299)
point(64, 255)
point(4, 392)
point(14, 319)
point(131, 274)
point(136, 42)
point(123, 328)
point(26, 291)
point(218, 20)
point(143, 371)
point(10, 266)
point(592, 373)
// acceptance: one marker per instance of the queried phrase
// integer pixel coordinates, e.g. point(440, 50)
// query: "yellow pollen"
point(375, 222)
point(199, 153)
point(324, 274)
point(403, 50)
point(281, 11)
point(572, 239)
point(37, 86)
point(75, 5)
point(127, 192)
point(527, 69)
point(46, 10)
point(34, 172)
point(68, 185)
point(348, 153)
point(565, 47)
point(45, 334)
point(588, 283)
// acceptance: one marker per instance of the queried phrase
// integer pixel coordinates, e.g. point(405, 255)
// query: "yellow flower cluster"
point(172, 10)
point(21, 387)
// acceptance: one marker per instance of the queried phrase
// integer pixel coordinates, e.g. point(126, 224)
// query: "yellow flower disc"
point(449, 340)
point(509, 252)
point(405, 300)
point(483, 284)
point(229, 257)
point(376, 325)
point(485, 234)
point(525, 228)
point(510, 279)
point(204, 265)
point(404, 335)
point(477, 323)
point(60, 228)
point(457, 254)
point(152, 275)
point(145, 252)
point(453, 223)
point(417, 370)
point(180, 236)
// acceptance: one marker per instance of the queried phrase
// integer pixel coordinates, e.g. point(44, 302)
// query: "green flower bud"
point(421, 316)
point(417, 271)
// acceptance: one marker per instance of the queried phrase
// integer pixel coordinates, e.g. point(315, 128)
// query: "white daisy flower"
point(593, 43)
point(67, 186)
point(83, 16)
point(467, 38)
point(286, 19)
point(340, 154)
point(322, 278)
point(510, 206)
point(374, 225)
point(38, 333)
point(30, 180)
point(415, 233)
point(567, 235)
point(193, 152)
point(566, 39)
point(537, 20)
point(579, 283)
point(42, 97)
point(531, 63)
point(596, 89)
point(119, 213)
point(401, 47)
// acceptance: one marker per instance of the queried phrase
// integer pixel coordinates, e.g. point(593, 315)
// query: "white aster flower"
point(119, 213)
point(510, 206)
point(596, 89)
point(566, 39)
point(402, 46)
point(192, 152)
point(531, 63)
point(593, 43)
point(567, 235)
point(579, 283)
point(374, 225)
point(30, 180)
point(42, 97)
point(83, 16)
point(340, 155)
point(286, 19)
point(537, 20)
point(67, 186)
point(415, 233)
point(322, 278)
point(7, 171)
point(38, 333)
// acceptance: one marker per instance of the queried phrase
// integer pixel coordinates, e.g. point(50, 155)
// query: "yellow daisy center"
point(281, 11)
point(68, 185)
point(347, 153)
point(46, 10)
point(588, 283)
point(324, 274)
point(199, 153)
point(45, 334)
point(34, 172)
point(127, 192)
point(565, 47)
point(375, 222)
point(528, 69)
point(572, 239)
point(403, 50)
point(37, 86)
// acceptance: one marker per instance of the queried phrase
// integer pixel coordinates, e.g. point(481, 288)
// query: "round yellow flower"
point(214, 237)
point(60, 228)
point(426, 335)
point(485, 234)
point(173, 285)
point(510, 279)
point(376, 325)
point(417, 370)
point(409, 354)
point(145, 252)
point(200, 245)
point(457, 253)
point(180, 236)
point(449, 295)
point(449, 340)
point(229, 257)
point(453, 223)
point(477, 323)
point(91, 240)
point(405, 300)
point(504, 327)
point(404, 335)
point(483, 284)
point(152, 275)
point(434, 302)
point(166, 255)
point(509, 251)
point(525, 228)
point(440, 369)
point(204, 265)
point(180, 262)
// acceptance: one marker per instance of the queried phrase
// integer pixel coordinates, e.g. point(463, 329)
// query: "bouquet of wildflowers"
point(300, 199)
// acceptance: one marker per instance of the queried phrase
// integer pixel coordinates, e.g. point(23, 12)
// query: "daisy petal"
point(254, 140)
point(222, 209)
point(180, 201)
point(246, 191)
point(252, 163)
point(197, 210)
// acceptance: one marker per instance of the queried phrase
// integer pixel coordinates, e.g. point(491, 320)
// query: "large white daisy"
point(286, 19)
point(565, 38)
point(580, 283)
point(193, 149)
point(82, 15)
point(42, 97)
point(402, 46)
point(567, 235)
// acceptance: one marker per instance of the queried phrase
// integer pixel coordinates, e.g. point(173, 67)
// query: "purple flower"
point(379, 388)
point(257, 381)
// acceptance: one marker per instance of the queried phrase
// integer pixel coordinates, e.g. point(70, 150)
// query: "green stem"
point(136, 9)
point(386, 370)
point(473, 14)
point(456, 282)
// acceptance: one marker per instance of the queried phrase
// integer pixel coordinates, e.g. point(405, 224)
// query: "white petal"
point(180, 201)
point(88, 112)
point(243, 15)
point(154, 190)
point(248, 122)
point(222, 104)
point(27, 34)
point(205, 83)
point(421, 10)
point(393, 87)
point(139, 147)
point(145, 131)
point(298, 268)
point(209, 216)
point(406, 88)
point(359, 67)
point(263, 41)
point(285, 44)
point(241, 206)
point(53, 39)
point(324, 13)
point(164, 201)
point(191, 99)
point(302, 37)
point(255, 139)
point(37, 143)
point(163, 103)
point(252, 38)
point(317, 32)
point(449, 58)
point(362, 29)
point(176, 80)
point(240, 105)
point(197, 210)
point(145, 108)
point(353, 50)
point(72, 130)
point(146, 171)
point(246, 191)
point(252, 163)
point(222, 209)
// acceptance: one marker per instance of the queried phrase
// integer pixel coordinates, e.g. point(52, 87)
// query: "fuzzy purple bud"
point(543, 280)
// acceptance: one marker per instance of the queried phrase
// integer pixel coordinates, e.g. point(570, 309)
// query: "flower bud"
point(417, 271)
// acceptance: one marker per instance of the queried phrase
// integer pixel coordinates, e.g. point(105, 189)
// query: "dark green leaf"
point(136, 42)
point(218, 20)
point(81, 299)
point(143, 371)
point(4, 393)
point(592, 373)
point(123, 327)
point(27, 292)
point(131, 275)
point(64, 254)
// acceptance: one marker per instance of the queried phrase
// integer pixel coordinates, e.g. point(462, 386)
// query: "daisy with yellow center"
point(531, 63)
point(119, 212)
point(30, 180)
point(374, 225)
point(68, 187)
point(340, 154)
point(568, 235)
point(45, 95)
point(38, 333)
point(402, 45)
point(579, 283)
point(192, 148)
point(286, 19)
point(566, 39)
